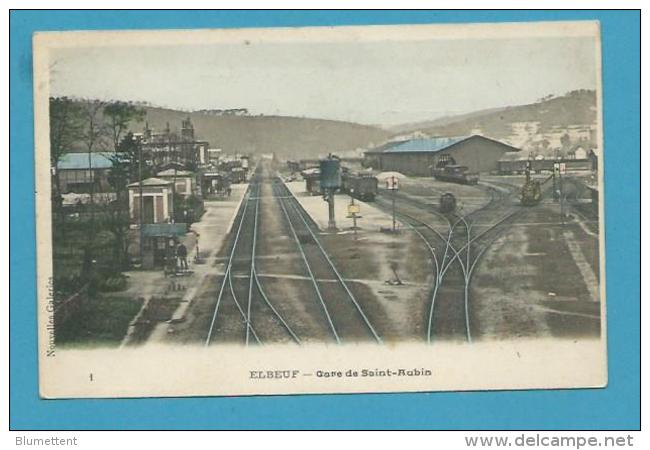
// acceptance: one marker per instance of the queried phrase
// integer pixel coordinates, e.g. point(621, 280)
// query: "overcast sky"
point(368, 82)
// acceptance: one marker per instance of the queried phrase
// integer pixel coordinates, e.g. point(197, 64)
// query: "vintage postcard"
point(320, 210)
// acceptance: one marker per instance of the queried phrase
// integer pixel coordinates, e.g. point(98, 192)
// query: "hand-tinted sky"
point(366, 82)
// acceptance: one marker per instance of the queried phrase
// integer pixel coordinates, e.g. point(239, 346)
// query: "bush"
point(188, 210)
point(98, 321)
point(113, 284)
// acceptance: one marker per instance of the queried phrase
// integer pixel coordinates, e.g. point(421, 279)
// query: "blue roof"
point(426, 145)
point(99, 160)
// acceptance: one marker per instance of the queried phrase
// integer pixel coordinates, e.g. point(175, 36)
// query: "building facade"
point(157, 202)
point(160, 148)
point(84, 172)
point(418, 157)
point(183, 181)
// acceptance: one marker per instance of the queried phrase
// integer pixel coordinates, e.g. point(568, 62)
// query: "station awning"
point(164, 229)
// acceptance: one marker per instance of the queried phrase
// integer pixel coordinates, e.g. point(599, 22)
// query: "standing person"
point(181, 253)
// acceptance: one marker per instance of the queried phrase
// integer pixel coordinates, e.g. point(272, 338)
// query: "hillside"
point(440, 122)
point(536, 127)
point(288, 137)
point(550, 125)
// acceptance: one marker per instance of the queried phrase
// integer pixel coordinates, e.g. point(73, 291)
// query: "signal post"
point(353, 213)
point(392, 184)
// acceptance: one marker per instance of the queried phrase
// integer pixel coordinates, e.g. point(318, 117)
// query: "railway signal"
point(353, 213)
point(392, 184)
point(559, 169)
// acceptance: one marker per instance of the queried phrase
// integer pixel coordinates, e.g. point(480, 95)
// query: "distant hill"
point(440, 122)
point(288, 137)
point(291, 137)
point(538, 127)
point(553, 124)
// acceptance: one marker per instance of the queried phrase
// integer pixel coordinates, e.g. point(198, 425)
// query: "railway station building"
point(156, 201)
point(183, 181)
point(417, 157)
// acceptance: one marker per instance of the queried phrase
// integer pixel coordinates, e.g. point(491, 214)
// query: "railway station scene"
point(317, 195)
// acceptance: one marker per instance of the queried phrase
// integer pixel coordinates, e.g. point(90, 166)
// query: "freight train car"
point(361, 186)
point(455, 174)
point(518, 166)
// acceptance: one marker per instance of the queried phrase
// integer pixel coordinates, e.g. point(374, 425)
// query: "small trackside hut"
point(157, 204)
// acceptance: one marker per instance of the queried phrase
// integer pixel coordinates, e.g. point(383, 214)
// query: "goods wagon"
point(361, 186)
point(543, 165)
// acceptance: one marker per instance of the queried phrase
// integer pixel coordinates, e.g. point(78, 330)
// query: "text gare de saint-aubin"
point(350, 373)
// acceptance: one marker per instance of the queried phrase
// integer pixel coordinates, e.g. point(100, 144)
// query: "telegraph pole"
point(393, 210)
point(175, 163)
point(561, 193)
point(141, 208)
point(392, 184)
point(558, 186)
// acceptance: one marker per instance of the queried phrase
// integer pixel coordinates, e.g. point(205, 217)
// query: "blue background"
point(616, 407)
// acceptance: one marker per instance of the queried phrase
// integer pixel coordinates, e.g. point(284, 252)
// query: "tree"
point(65, 131)
point(125, 169)
point(65, 127)
point(565, 140)
point(126, 163)
point(118, 224)
point(120, 115)
point(93, 136)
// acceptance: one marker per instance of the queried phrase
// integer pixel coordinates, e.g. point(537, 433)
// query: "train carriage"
point(518, 166)
point(360, 186)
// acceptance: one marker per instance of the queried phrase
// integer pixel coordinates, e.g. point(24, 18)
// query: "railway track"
point(454, 266)
point(244, 312)
point(242, 302)
point(480, 230)
point(342, 310)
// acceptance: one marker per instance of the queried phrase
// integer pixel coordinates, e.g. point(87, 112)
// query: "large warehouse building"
point(419, 156)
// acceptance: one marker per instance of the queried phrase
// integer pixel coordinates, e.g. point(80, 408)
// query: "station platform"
point(205, 237)
point(372, 218)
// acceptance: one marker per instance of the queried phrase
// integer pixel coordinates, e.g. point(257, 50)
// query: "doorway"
point(148, 210)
